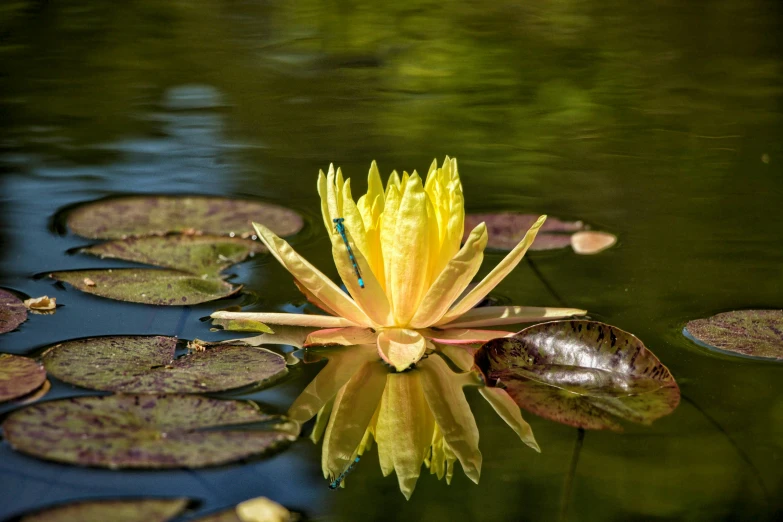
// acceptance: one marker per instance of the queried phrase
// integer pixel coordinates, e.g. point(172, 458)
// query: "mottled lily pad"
point(148, 286)
point(198, 255)
point(581, 373)
point(750, 333)
point(145, 431)
point(137, 364)
point(506, 229)
point(124, 510)
point(118, 218)
point(19, 376)
point(12, 311)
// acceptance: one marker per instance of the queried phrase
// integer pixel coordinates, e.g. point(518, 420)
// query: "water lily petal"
point(497, 315)
point(318, 321)
point(463, 335)
point(313, 279)
point(321, 421)
point(313, 299)
point(341, 366)
point(342, 336)
point(453, 279)
point(372, 298)
point(404, 430)
point(353, 410)
point(443, 391)
point(387, 234)
point(509, 411)
point(460, 356)
point(322, 192)
point(400, 347)
point(411, 250)
point(497, 274)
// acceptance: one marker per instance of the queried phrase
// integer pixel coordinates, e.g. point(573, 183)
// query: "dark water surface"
point(659, 121)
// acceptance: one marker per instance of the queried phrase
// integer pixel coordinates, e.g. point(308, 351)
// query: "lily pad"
point(138, 364)
point(146, 431)
point(581, 373)
point(198, 255)
point(125, 510)
point(19, 376)
point(12, 311)
point(506, 230)
point(148, 286)
point(130, 216)
point(750, 333)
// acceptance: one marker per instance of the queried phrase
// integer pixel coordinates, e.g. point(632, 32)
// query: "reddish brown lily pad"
point(134, 216)
point(749, 333)
point(138, 364)
point(19, 376)
point(148, 286)
point(581, 373)
point(146, 431)
point(197, 255)
point(12, 311)
point(124, 510)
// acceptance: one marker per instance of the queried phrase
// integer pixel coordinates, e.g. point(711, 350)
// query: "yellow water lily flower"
point(407, 277)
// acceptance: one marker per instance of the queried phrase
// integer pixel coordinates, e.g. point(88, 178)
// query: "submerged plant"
point(407, 313)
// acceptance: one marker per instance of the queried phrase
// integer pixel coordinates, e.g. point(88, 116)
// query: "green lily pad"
point(581, 373)
point(148, 286)
point(130, 216)
point(750, 333)
point(19, 376)
point(138, 364)
point(145, 431)
point(197, 255)
point(125, 510)
point(12, 311)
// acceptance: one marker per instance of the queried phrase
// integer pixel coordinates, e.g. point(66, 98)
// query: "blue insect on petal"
point(339, 480)
point(339, 224)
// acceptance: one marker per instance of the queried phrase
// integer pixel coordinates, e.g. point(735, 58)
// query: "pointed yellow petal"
point(400, 347)
point(318, 321)
point(448, 404)
point(497, 274)
point(508, 410)
point(353, 220)
point(410, 252)
point(322, 192)
point(463, 335)
point(313, 299)
point(321, 421)
point(312, 278)
point(341, 336)
point(342, 364)
point(453, 280)
point(371, 299)
point(353, 409)
point(388, 235)
point(374, 185)
point(497, 315)
point(405, 428)
point(332, 194)
point(461, 356)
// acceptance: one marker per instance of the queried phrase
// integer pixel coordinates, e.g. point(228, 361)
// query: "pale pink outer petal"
point(273, 318)
point(498, 315)
point(342, 336)
point(497, 274)
point(313, 279)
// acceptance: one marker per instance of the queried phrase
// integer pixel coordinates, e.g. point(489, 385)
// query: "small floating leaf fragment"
point(140, 364)
point(260, 509)
point(750, 333)
point(12, 311)
point(88, 282)
point(133, 216)
point(149, 286)
point(581, 373)
point(145, 431)
point(197, 255)
point(589, 242)
point(19, 376)
point(41, 304)
point(124, 510)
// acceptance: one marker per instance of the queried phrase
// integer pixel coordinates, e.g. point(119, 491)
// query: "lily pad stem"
point(568, 484)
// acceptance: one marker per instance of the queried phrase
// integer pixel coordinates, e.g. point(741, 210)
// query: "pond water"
point(658, 121)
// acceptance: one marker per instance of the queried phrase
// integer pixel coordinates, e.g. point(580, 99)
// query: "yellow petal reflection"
point(400, 348)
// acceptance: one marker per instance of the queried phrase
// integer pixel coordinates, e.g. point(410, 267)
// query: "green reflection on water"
point(659, 121)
